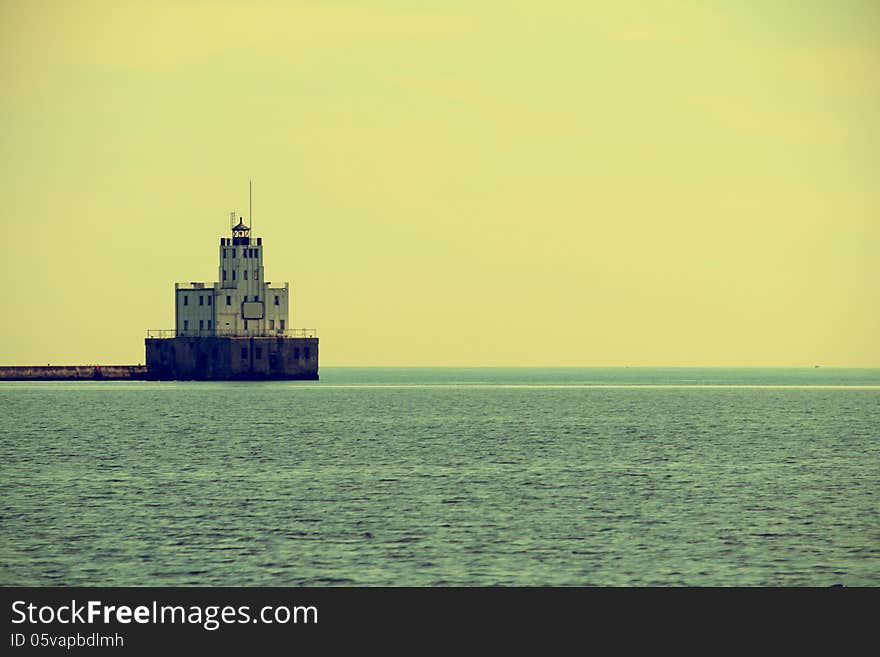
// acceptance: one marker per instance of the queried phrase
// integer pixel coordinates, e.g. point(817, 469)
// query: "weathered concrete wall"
point(232, 358)
point(73, 373)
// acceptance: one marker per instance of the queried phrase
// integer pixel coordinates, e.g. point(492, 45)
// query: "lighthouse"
point(241, 303)
point(234, 328)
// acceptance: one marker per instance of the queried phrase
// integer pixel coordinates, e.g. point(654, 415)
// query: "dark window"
point(306, 352)
point(233, 253)
point(258, 353)
point(245, 325)
point(245, 298)
point(185, 300)
point(209, 324)
point(233, 274)
point(271, 324)
point(201, 299)
point(228, 300)
point(209, 300)
point(185, 324)
point(224, 274)
point(244, 253)
point(282, 324)
point(277, 300)
point(201, 324)
point(244, 353)
point(257, 297)
point(245, 274)
point(224, 253)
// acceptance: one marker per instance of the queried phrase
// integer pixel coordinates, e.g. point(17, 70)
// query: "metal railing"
point(228, 333)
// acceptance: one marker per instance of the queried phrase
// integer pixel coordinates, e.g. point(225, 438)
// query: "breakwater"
point(73, 372)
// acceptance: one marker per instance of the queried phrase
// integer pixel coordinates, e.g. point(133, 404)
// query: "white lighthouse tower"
point(242, 303)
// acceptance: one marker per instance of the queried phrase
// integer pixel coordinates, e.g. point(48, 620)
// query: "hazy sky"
point(452, 182)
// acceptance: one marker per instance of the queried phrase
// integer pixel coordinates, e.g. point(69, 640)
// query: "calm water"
point(446, 477)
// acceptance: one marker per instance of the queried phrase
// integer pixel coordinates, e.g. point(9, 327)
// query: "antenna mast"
point(251, 203)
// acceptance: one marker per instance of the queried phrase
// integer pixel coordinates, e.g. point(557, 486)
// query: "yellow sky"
point(452, 182)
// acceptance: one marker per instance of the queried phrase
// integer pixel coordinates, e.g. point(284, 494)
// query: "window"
point(256, 274)
point(185, 324)
point(244, 353)
point(228, 300)
point(245, 325)
point(258, 353)
point(282, 324)
point(233, 274)
point(245, 298)
point(224, 253)
point(224, 274)
point(306, 352)
point(271, 324)
point(253, 253)
point(245, 274)
point(277, 300)
point(209, 300)
point(201, 299)
point(185, 300)
point(233, 253)
point(256, 297)
point(209, 324)
point(244, 253)
point(201, 325)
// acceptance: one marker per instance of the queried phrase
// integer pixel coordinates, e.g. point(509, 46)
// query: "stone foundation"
point(241, 358)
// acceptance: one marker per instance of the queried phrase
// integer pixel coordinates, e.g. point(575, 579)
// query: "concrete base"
point(213, 359)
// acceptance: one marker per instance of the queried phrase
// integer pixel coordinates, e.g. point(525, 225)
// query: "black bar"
point(291, 619)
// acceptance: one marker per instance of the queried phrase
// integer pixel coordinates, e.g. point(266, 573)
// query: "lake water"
point(446, 477)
